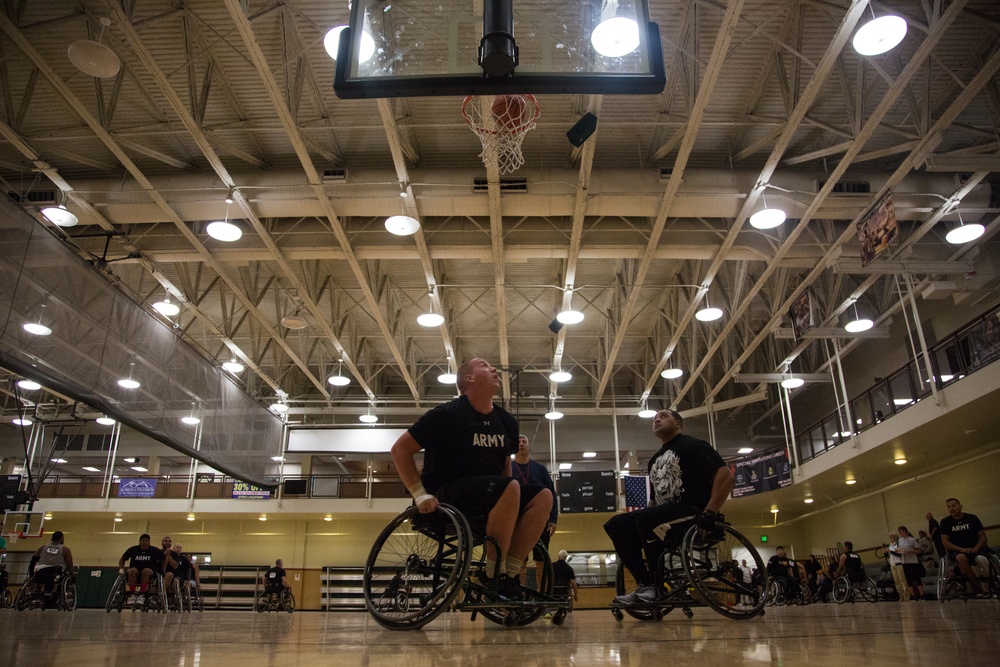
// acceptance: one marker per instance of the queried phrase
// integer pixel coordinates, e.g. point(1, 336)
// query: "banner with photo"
point(757, 474)
point(801, 315)
point(984, 340)
point(138, 487)
point(877, 230)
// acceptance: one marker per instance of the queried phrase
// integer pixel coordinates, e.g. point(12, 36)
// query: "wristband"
point(417, 490)
point(421, 498)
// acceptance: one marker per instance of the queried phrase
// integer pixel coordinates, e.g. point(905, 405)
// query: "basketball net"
point(501, 142)
point(12, 537)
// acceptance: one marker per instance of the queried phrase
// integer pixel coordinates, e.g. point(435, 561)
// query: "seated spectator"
point(812, 567)
point(824, 586)
point(565, 578)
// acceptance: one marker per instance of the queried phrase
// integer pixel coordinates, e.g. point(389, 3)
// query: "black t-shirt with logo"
point(183, 569)
point(152, 557)
point(964, 532)
point(778, 566)
point(459, 441)
point(273, 577)
point(683, 471)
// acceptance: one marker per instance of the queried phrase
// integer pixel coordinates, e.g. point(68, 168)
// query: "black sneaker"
point(509, 587)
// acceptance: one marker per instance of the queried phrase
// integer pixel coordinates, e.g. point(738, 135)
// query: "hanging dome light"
point(617, 34)
point(570, 317)
point(21, 421)
point(708, 314)
point(858, 324)
point(879, 35)
point(402, 225)
point(767, 218)
point(29, 385)
point(964, 233)
point(105, 421)
point(339, 380)
point(553, 414)
point(94, 58)
point(792, 382)
point(280, 406)
point(430, 318)
point(59, 215)
point(671, 373)
point(294, 322)
point(224, 231)
point(331, 42)
point(166, 307)
point(129, 383)
point(560, 376)
point(37, 329)
point(368, 419)
point(191, 420)
point(234, 366)
point(447, 378)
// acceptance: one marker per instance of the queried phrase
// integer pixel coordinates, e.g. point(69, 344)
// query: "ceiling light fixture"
point(570, 316)
point(744, 450)
point(91, 469)
point(60, 216)
point(565, 466)
point(234, 366)
point(331, 42)
point(447, 378)
point(339, 380)
point(231, 195)
point(191, 419)
point(807, 501)
point(37, 328)
point(262, 517)
point(430, 318)
point(328, 517)
point(191, 517)
point(280, 406)
point(617, 34)
point(590, 455)
point(792, 382)
point(774, 510)
point(369, 417)
point(858, 324)
point(402, 225)
point(29, 385)
point(118, 519)
point(671, 373)
point(223, 230)
point(59, 460)
point(294, 322)
point(879, 35)
point(850, 481)
point(553, 414)
point(900, 461)
point(708, 314)
point(94, 58)
point(964, 233)
point(560, 376)
point(21, 421)
point(767, 218)
point(166, 307)
point(129, 382)
point(105, 421)
point(646, 412)
point(139, 469)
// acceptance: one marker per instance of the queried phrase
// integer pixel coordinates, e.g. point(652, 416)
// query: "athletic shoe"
point(509, 587)
point(643, 594)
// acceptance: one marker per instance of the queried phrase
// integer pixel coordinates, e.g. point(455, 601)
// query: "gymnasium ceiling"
point(638, 228)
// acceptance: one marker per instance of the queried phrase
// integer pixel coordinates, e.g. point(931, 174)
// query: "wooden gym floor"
point(917, 633)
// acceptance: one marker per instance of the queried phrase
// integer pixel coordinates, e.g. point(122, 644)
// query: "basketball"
point(508, 111)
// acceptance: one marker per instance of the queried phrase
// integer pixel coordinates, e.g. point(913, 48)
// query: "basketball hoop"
point(12, 537)
point(501, 127)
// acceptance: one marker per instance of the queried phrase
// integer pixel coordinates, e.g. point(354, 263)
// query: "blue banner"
point(758, 474)
point(139, 487)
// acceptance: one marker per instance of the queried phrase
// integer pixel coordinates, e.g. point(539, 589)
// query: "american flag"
point(636, 492)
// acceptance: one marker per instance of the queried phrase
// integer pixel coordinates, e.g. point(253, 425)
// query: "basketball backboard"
point(432, 48)
point(22, 524)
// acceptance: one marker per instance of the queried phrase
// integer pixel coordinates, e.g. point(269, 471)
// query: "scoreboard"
point(588, 491)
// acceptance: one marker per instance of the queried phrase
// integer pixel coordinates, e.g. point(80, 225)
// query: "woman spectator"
point(896, 565)
point(906, 547)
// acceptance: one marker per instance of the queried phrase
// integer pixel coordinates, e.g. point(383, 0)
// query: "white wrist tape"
point(419, 500)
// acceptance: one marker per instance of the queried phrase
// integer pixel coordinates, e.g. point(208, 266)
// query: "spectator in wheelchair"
point(785, 571)
point(964, 539)
point(186, 571)
point(275, 579)
point(565, 578)
point(850, 564)
point(145, 561)
point(467, 446)
point(49, 562)
point(169, 563)
point(690, 481)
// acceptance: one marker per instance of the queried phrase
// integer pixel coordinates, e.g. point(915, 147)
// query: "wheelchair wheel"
point(711, 563)
point(426, 557)
point(623, 584)
point(841, 590)
point(67, 589)
point(175, 602)
point(8, 599)
point(287, 601)
point(510, 618)
point(775, 594)
point(993, 580)
point(116, 598)
point(869, 589)
point(25, 595)
point(260, 604)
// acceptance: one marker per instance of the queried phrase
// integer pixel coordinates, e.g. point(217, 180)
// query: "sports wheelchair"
point(184, 595)
point(33, 596)
point(282, 600)
point(702, 569)
point(951, 581)
point(421, 563)
point(851, 587)
point(120, 597)
point(778, 596)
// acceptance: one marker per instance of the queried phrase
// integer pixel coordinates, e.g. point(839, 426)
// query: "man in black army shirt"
point(144, 561)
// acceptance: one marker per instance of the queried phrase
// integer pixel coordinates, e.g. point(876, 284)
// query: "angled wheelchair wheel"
point(993, 580)
point(623, 584)
point(8, 598)
point(510, 618)
point(421, 559)
point(116, 597)
point(869, 589)
point(711, 562)
point(841, 590)
point(67, 589)
point(25, 595)
point(287, 601)
point(775, 594)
